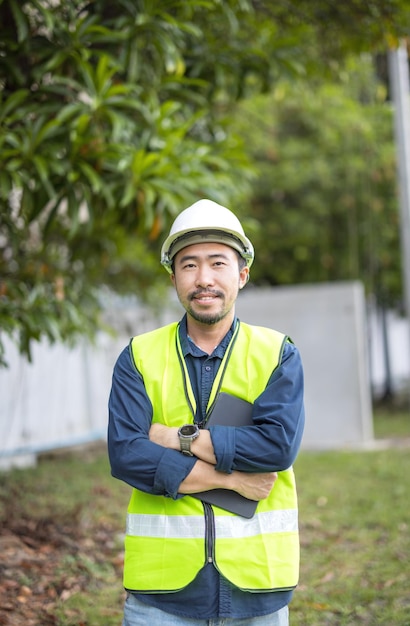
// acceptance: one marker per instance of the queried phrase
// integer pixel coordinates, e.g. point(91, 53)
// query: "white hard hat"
point(205, 222)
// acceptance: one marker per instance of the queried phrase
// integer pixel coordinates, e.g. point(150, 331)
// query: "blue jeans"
point(137, 613)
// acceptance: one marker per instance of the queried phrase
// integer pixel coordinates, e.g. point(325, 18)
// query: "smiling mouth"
point(205, 296)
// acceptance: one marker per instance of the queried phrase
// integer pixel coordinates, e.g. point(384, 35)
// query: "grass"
point(355, 538)
point(354, 519)
point(391, 422)
point(355, 546)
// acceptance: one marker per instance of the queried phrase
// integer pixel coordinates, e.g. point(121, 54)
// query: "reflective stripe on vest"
point(189, 527)
point(167, 541)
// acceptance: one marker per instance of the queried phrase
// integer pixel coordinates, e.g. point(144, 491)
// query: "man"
point(186, 561)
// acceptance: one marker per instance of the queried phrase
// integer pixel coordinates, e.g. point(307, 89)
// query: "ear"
point(243, 277)
point(172, 278)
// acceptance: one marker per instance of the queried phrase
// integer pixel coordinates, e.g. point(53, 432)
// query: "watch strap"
point(185, 444)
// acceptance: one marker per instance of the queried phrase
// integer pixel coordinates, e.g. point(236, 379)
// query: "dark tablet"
point(229, 411)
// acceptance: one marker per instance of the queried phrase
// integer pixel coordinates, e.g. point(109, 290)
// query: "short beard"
point(205, 318)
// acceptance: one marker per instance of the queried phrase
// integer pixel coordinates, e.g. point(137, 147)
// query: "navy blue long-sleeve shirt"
point(271, 446)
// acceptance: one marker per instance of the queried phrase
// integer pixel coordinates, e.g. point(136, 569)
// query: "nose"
point(204, 277)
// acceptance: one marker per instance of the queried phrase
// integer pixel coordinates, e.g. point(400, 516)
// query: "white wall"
point(60, 399)
point(328, 324)
point(57, 400)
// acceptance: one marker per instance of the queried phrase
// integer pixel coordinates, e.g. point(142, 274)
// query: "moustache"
point(204, 292)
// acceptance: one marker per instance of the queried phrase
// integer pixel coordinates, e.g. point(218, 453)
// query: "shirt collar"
point(189, 347)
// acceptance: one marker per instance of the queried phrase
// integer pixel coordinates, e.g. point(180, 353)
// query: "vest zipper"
point(209, 532)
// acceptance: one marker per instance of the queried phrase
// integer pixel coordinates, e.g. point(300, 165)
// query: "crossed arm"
point(203, 475)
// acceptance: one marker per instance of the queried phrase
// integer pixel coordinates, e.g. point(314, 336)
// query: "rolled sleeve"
point(223, 441)
point(172, 469)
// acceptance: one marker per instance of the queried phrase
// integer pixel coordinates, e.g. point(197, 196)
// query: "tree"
point(111, 120)
point(113, 117)
point(326, 194)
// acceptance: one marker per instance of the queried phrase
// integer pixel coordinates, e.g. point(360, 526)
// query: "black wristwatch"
point(187, 434)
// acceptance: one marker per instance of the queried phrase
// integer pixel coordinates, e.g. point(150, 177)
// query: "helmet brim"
point(176, 243)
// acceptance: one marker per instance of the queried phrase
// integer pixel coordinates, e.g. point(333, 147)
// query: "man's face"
point(207, 280)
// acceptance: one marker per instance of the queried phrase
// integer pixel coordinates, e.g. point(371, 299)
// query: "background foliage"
point(326, 186)
point(114, 117)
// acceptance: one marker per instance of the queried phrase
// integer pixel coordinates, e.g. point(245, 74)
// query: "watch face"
point(188, 430)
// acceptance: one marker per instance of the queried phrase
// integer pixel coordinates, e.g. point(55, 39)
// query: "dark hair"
point(241, 261)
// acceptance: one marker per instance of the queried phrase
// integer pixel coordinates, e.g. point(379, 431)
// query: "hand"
point(254, 486)
point(166, 436)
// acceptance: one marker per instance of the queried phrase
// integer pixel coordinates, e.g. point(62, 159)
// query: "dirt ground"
point(38, 568)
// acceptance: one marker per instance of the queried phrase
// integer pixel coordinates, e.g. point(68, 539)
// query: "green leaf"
point(20, 19)
point(91, 175)
point(41, 166)
point(13, 102)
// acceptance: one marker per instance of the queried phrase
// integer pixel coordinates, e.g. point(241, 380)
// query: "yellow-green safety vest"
point(167, 541)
